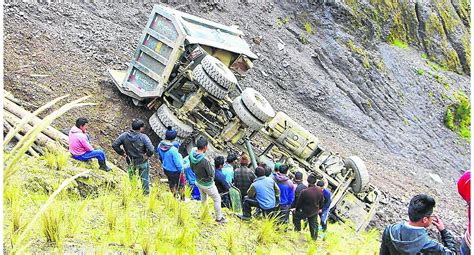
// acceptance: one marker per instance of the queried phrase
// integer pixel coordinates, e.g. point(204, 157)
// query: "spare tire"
point(167, 117)
point(208, 84)
point(219, 72)
point(245, 115)
point(361, 176)
point(257, 104)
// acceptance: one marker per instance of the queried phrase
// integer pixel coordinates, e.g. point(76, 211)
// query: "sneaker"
point(222, 220)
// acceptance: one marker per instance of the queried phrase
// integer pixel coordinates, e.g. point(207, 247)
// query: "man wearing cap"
point(137, 148)
point(80, 145)
point(307, 207)
point(172, 162)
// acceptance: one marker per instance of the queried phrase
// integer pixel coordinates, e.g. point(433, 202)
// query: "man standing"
point(263, 193)
point(464, 189)
point(205, 177)
point(222, 185)
point(307, 207)
point(137, 148)
point(287, 191)
point(228, 168)
point(80, 145)
point(243, 177)
point(327, 202)
point(172, 162)
point(191, 179)
point(300, 186)
point(411, 237)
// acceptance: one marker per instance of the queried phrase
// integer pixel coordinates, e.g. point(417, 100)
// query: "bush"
point(398, 43)
point(458, 116)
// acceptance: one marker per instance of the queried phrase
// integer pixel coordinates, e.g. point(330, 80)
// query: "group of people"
point(270, 191)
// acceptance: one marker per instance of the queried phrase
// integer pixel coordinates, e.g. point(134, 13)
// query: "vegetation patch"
point(121, 219)
point(398, 43)
point(360, 51)
point(458, 116)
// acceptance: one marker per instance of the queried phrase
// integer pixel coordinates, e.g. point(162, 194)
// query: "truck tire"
point(219, 72)
point(361, 176)
point(208, 84)
point(257, 104)
point(159, 128)
point(245, 115)
point(167, 117)
point(156, 125)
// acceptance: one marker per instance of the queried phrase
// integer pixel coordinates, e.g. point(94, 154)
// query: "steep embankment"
point(326, 65)
point(104, 212)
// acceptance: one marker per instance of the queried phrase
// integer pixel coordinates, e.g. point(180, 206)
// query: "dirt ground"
point(56, 49)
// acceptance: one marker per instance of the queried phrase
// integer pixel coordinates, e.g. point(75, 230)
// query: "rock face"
point(369, 78)
point(440, 28)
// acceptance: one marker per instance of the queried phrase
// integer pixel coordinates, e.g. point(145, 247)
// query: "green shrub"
point(449, 120)
point(420, 71)
point(458, 116)
point(308, 28)
point(51, 222)
point(398, 43)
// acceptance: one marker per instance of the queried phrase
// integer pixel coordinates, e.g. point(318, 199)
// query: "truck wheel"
point(159, 128)
point(361, 176)
point(156, 125)
point(257, 104)
point(167, 117)
point(208, 84)
point(245, 115)
point(219, 72)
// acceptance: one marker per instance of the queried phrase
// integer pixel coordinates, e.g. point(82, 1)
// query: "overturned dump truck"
point(187, 70)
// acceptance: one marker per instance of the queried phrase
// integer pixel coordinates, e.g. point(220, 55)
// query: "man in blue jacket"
point(263, 193)
point(287, 192)
point(172, 162)
point(221, 183)
point(327, 203)
point(191, 179)
point(137, 148)
point(411, 238)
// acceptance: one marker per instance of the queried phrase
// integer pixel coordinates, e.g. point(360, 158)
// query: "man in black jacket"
point(137, 148)
point(307, 207)
point(411, 237)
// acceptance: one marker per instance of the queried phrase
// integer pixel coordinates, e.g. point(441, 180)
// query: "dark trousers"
point(249, 203)
point(284, 214)
point(143, 172)
point(312, 221)
point(225, 198)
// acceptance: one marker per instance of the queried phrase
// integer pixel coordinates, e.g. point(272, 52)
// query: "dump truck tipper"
point(187, 69)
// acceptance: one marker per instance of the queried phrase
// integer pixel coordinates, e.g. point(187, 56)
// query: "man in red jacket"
point(464, 189)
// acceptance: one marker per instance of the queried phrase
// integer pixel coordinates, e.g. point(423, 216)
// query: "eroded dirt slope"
point(361, 96)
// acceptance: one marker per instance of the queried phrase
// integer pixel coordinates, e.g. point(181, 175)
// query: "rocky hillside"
point(370, 78)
